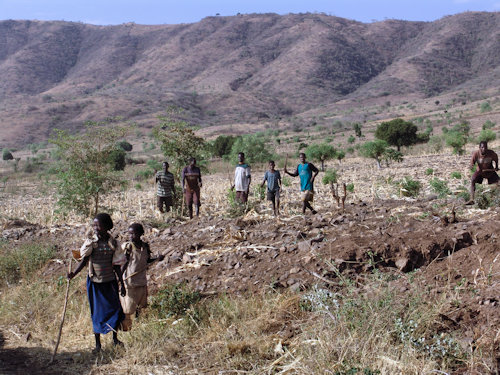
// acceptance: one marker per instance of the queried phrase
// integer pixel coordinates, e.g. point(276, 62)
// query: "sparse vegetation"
point(397, 133)
point(409, 187)
point(440, 187)
point(87, 168)
point(321, 152)
point(374, 150)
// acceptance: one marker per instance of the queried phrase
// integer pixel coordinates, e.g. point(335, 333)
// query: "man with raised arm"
point(307, 172)
point(485, 169)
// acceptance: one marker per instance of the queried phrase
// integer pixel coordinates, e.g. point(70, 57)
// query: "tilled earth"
point(256, 252)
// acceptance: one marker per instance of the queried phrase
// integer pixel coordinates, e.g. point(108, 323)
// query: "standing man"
point(191, 175)
point(484, 159)
point(307, 173)
point(165, 189)
point(242, 179)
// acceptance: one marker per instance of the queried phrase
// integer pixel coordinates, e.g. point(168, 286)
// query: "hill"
point(233, 70)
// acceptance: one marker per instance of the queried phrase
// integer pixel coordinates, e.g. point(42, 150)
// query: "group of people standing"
point(116, 280)
point(191, 184)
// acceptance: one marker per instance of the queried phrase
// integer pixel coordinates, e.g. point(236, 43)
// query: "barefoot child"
point(273, 179)
point(103, 255)
point(138, 257)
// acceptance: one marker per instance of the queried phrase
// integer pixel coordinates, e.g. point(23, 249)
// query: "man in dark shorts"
point(191, 184)
point(273, 179)
point(242, 179)
point(484, 159)
point(165, 189)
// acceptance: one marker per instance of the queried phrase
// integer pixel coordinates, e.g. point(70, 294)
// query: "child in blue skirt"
point(104, 257)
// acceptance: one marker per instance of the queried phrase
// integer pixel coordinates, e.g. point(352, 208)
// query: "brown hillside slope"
point(229, 69)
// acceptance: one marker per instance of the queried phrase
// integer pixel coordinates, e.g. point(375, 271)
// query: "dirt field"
point(417, 240)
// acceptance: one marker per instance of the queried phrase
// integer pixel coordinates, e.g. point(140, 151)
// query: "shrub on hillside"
point(397, 133)
point(125, 146)
point(374, 150)
point(486, 135)
point(7, 155)
point(255, 149)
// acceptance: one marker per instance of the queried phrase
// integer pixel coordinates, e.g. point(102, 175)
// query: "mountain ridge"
point(238, 69)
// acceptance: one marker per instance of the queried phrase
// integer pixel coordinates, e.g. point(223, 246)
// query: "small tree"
point(486, 135)
point(254, 148)
point(357, 129)
point(222, 145)
point(321, 152)
point(7, 155)
point(397, 132)
point(86, 169)
point(339, 155)
point(392, 155)
point(462, 128)
point(374, 150)
point(178, 141)
point(125, 146)
point(456, 141)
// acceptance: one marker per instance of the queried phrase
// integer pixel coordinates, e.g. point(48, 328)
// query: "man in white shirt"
point(242, 179)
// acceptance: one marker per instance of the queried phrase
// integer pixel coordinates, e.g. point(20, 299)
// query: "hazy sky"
point(110, 12)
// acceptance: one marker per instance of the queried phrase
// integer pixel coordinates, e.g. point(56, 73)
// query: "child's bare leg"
point(197, 210)
point(115, 339)
point(308, 205)
point(273, 203)
point(277, 206)
point(97, 342)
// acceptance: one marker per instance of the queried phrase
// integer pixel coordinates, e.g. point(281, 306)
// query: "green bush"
point(7, 155)
point(486, 196)
point(374, 149)
point(456, 175)
point(321, 153)
point(409, 187)
point(485, 107)
point(222, 145)
point(330, 177)
point(486, 135)
point(125, 146)
point(174, 300)
point(488, 125)
point(255, 149)
point(457, 141)
point(440, 187)
point(397, 132)
point(144, 174)
point(429, 171)
point(22, 262)
point(350, 187)
point(118, 159)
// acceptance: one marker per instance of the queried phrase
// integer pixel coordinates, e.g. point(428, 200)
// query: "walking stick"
point(63, 314)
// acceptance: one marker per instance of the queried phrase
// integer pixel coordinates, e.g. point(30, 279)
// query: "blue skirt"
point(105, 308)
